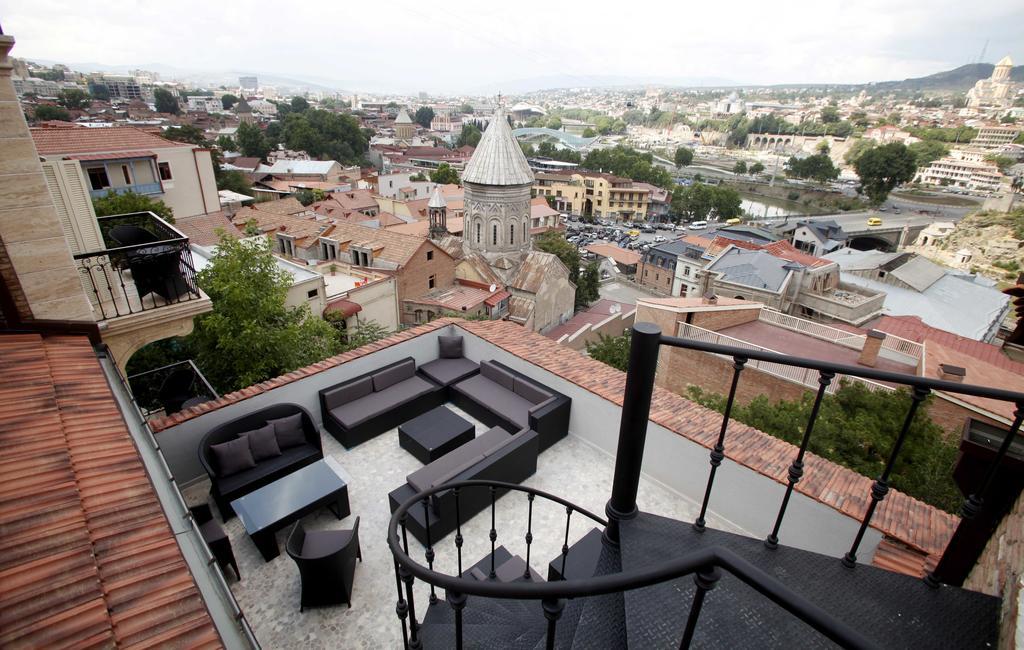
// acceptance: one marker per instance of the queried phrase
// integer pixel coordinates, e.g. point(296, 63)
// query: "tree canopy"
point(630, 163)
point(588, 288)
point(612, 350)
point(424, 116)
point(165, 101)
point(234, 181)
point(684, 156)
point(228, 100)
point(699, 202)
point(324, 135)
point(73, 98)
point(299, 104)
point(466, 108)
point(883, 168)
point(445, 174)
point(45, 112)
point(470, 135)
point(114, 203)
point(554, 242)
point(251, 141)
point(818, 167)
point(756, 168)
point(927, 151)
point(740, 167)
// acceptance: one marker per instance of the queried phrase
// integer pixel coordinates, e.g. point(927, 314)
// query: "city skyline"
point(474, 50)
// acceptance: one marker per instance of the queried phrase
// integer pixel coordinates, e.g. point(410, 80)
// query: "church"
point(496, 244)
point(996, 91)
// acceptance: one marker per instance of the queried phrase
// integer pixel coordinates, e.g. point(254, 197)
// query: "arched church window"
point(478, 228)
point(512, 234)
point(494, 234)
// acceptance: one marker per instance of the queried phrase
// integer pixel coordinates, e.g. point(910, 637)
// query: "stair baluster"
point(529, 534)
point(458, 603)
point(705, 579)
point(407, 578)
point(401, 608)
point(881, 485)
point(565, 544)
point(718, 453)
point(552, 611)
point(458, 530)
point(430, 547)
point(493, 536)
point(796, 470)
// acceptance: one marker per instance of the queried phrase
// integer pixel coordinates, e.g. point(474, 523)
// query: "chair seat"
point(449, 371)
point(320, 543)
point(354, 413)
point(212, 532)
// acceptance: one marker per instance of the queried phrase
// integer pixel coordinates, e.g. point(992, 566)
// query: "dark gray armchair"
point(327, 563)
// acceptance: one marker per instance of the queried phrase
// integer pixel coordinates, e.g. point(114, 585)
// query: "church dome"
point(498, 159)
point(1006, 60)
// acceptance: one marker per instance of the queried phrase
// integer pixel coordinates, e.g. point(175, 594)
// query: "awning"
point(345, 307)
point(113, 155)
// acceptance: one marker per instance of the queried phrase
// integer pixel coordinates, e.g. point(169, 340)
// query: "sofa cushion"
point(449, 371)
point(233, 456)
point(497, 375)
point(496, 399)
point(355, 413)
point(286, 460)
point(289, 431)
point(529, 391)
point(262, 442)
point(498, 439)
point(391, 376)
point(449, 347)
point(349, 392)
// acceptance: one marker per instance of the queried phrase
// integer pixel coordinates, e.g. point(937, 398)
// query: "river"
point(762, 207)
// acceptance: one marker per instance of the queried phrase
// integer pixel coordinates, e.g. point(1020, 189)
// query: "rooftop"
point(77, 140)
point(498, 159)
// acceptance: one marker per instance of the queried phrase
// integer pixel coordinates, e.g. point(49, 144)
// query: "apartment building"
point(994, 137)
point(962, 168)
point(594, 194)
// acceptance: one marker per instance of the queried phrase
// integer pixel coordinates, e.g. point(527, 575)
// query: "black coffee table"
point(434, 434)
point(272, 507)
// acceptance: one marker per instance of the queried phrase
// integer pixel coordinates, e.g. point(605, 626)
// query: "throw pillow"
point(233, 456)
point(450, 347)
point(263, 442)
point(289, 431)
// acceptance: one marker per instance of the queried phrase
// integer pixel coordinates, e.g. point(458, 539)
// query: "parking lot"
point(644, 236)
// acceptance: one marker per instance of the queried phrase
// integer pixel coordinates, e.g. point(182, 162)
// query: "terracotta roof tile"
point(74, 140)
point(202, 229)
point(87, 557)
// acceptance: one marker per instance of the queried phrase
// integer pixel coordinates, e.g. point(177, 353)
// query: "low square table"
point(434, 434)
point(272, 507)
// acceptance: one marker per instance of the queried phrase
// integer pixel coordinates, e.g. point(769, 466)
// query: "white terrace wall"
point(742, 496)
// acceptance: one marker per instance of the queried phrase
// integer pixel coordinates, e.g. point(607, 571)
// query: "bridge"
point(884, 237)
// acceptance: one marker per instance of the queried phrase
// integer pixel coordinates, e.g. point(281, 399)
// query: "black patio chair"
point(327, 563)
point(215, 537)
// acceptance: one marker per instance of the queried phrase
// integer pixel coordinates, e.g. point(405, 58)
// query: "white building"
point(964, 169)
point(205, 104)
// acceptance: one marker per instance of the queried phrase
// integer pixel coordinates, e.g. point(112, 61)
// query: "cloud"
point(459, 45)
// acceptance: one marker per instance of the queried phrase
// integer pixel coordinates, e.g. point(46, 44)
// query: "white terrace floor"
point(269, 591)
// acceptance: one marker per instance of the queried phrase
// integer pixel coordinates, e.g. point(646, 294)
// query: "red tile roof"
point(901, 517)
point(620, 255)
point(346, 307)
point(106, 156)
point(87, 557)
point(205, 229)
point(72, 140)
point(914, 329)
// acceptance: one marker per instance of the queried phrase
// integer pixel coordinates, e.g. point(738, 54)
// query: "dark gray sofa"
point(225, 489)
point(450, 366)
point(500, 396)
point(495, 455)
point(366, 406)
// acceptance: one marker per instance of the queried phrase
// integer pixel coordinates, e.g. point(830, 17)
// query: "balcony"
point(167, 390)
point(798, 590)
point(145, 264)
point(138, 188)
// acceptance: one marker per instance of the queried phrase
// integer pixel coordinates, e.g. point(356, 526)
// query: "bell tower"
point(437, 211)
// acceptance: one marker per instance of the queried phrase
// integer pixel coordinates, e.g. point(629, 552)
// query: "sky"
point(465, 47)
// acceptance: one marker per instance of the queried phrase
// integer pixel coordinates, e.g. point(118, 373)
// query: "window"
point(127, 175)
point(494, 234)
point(512, 234)
point(431, 281)
point(430, 255)
point(98, 178)
point(657, 277)
point(312, 293)
point(165, 171)
point(478, 232)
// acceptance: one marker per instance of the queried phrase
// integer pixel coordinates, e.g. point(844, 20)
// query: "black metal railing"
point(145, 264)
point(705, 565)
point(170, 388)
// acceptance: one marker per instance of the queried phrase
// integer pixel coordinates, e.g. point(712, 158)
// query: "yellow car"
point(633, 233)
point(732, 222)
point(874, 221)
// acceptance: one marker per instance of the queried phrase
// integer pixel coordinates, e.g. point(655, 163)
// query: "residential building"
point(594, 194)
point(249, 83)
point(950, 300)
point(204, 104)
point(659, 202)
point(997, 90)
point(818, 237)
point(120, 87)
point(962, 168)
point(995, 137)
point(126, 159)
point(888, 133)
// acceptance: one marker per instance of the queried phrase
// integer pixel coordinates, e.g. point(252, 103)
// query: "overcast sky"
point(456, 46)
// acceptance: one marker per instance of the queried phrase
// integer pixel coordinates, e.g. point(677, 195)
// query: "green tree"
point(227, 143)
point(325, 135)
point(309, 197)
point(699, 202)
point(554, 242)
point(445, 175)
point(165, 101)
point(99, 91)
point(740, 167)
point(830, 115)
point(554, 122)
point(251, 141)
point(114, 203)
point(187, 133)
point(251, 335)
point(857, 149)
point(756, 168)
point(818, 167)
point(630, 163)
point(299, 105)
point(417, 177)
point(612, 350)
point(234, 181)
point(883, 168)
point(424, 116)
point(470, 136)
point(588, 289)
point(589, 132)
point(73, 98)
point(228, 100)
point(927, 151)
point(466, 108)
point(45, 112)
point(856, 428)
point(684, 156)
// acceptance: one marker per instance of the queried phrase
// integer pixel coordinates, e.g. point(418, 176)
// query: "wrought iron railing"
point(125, 279)
point(170, 388)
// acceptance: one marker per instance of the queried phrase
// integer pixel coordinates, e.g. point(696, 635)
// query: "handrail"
point(699, 560)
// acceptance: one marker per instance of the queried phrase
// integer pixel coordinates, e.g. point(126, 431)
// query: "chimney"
point(952, 373)
point(872, 344)
point(709, 298)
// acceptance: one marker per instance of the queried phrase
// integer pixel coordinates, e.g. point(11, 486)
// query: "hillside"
point(994, 240)
point(957, 79)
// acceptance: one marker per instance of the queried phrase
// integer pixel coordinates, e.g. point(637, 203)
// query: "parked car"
point(659, 239)
point(698, 225)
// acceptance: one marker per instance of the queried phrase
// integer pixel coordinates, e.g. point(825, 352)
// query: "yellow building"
point(594, 194)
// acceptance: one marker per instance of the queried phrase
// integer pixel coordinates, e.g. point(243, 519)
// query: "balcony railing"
point(146, 264)
point(171, 388)
point(137, 188)
point(838, 336)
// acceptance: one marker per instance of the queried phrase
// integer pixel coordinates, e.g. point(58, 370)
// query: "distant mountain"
point(957, 79)
point(550, 82)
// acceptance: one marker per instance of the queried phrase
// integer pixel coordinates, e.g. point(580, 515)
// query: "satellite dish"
point(493, 288)
point(616, 308)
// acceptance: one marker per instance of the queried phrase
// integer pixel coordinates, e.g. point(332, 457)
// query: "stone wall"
point(1000, 572)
